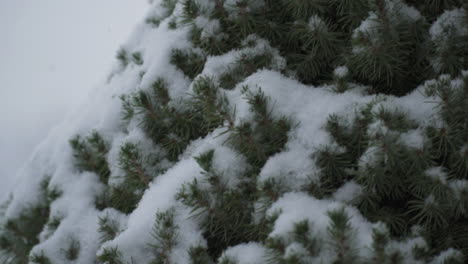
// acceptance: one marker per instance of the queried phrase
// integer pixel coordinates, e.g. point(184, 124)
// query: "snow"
point(234, 10)
point(450, 22)
point(437, 173)
point(446, 255)
point(209, 27)
point(293, 167)
point(158, 198)
point(307, 107)
point(249, 253)
point(445, 32)
point(296, 207)
point(399, 10)
point(53, 54)
point(348, 192)
point(413, 138)
point(341, 72)
point(317, 24)
point(78, 223)
point(406, 248)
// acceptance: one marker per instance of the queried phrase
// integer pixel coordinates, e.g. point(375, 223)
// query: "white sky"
point(52, 53)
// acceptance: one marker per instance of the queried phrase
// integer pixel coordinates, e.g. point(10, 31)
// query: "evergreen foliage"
point(225, 212)
point(407, 186)
point(39, 259)
point(137, 58)
point(385, 51)
point(410, 175)
point(166, 125)
point(165, 9)
point(199, 255)
point(265, 136)
point(108, 228)
point(72, 250)
point(122, 57)
point(243, 67)
point(111, 256)
point(301, 234)
point(90, 155)
point(341, 233)
point(19, 235)
point(188, 61)
point(165, 233)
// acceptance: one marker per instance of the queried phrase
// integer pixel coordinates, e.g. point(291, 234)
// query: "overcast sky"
point(52, 53)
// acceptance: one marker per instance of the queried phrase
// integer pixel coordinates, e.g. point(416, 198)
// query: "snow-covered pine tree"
point(261, 131)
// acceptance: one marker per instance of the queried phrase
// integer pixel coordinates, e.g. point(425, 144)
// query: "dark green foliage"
point(122, 57)
point(52, 224)
point(110, 256)
point(269, 192)
point(119, 197)
point(165, 235)
point(393, 54)
point(137, 58)
point(398, 188)
point(172, 128)
point(383, 254)
point(189, 62)
point(334, 167)
point(210, 104)
point(351, 12)
point(125, 58)
point(172, 24)
point(225, 212)
point(449, 53)
point(132, 164)
point(128, 112)
point(428, 212)
point(301, 234)
point(53, 193)
point(315, 35)
point(154, 21)
point(318, 45)
point(215, 44)
point(72, 251)
point(90, 153)
point(263, 137)
point(108, 228)
point(303, 9)
point(353, 136)
point(342, 233)
point(168, 6)
point(380, 241)
point(449, 142)
point(19, 235)
point(39, 258)
point(191, 10)
point(244, 18)
point(389, 56)
point(199, 255)
point(433, 8)
point(244, 66)
point(126, 195)
point(393, 63)
point(160, 91)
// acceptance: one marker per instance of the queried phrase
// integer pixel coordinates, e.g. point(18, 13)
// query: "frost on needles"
point(261, 131)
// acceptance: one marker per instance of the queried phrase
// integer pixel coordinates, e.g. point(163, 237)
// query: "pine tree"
point(412, 175)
